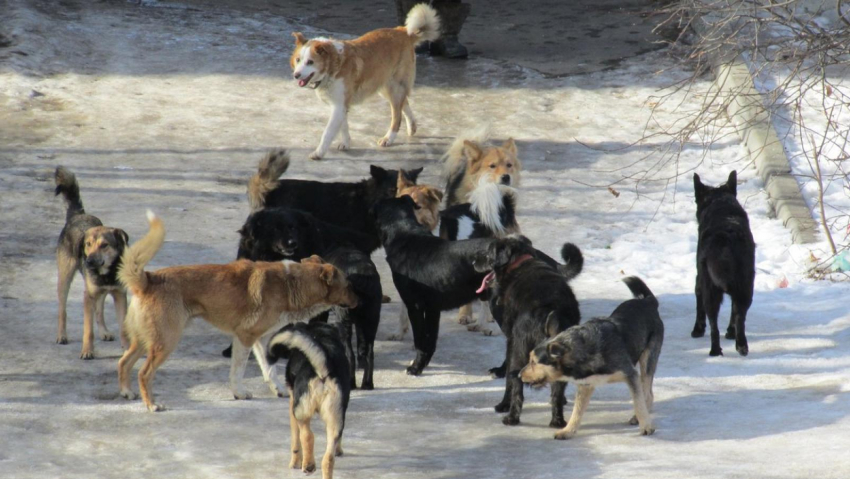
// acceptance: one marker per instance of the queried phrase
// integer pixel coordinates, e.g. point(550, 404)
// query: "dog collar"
point(485, 283)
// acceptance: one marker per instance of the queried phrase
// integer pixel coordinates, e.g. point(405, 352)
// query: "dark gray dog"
point(605, 350)
point(85, 245)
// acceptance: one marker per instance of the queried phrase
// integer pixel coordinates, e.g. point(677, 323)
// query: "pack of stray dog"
point(305, 251)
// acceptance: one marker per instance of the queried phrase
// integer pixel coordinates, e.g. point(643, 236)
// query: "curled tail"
point(295, 336)
point(573, 261)
point(269, 170)
point(131, 273)
point(640, 290)
point(67, 186)
point(453, 158)
point(422, 23)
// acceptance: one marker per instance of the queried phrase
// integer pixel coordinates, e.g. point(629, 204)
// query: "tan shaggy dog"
point(346, 72)
point(246, 299)
point(426, 197)
point(467, 163)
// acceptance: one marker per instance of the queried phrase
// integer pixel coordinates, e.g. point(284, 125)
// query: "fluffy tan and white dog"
point(246, 299)
point(346, 72)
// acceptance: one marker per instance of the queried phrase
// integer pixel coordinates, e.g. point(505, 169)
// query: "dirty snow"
point(170, 109)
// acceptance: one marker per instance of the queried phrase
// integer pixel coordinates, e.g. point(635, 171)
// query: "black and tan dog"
point(317, 376)
point(726, 262)
point(605, 350)
point(85, 245)
point(535, 303)
point(246, 299)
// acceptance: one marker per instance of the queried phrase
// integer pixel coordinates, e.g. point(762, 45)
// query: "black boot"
point(452, 16)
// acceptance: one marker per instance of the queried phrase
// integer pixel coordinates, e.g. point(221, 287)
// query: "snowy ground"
point(170, 109)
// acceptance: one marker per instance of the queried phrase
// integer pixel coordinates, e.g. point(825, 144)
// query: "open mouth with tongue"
point(485, 283)
point(305, 81)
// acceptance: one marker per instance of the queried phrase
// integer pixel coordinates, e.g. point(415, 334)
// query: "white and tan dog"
point(346, 72)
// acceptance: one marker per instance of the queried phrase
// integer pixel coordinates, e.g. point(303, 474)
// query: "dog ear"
point(555, 350)
point(314, 259)
point(324, 48)
point(300, 40)
point(435, 194)
point(553, 326)
point(327, 273)
point(732, 183)
point(412, 175)
point(501, 255)
point(377, 173)
point(123, 235)
point(471, 151)
point(510, 145)
point(402, 181)
point(524, 239)
point(699, 188)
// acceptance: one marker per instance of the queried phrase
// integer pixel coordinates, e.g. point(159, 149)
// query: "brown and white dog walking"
point(346, 72)
point(246, 299)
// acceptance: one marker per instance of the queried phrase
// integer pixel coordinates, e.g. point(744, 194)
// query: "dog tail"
point(274, 164)
point(487, 200)
point(573, 261)
point(422, 23)
point(67, 186)
point(132, 273)
point(295, 337)
point(640, 290)
point(453, 158)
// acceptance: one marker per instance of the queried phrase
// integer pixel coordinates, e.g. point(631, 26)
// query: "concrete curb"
point(745, 108)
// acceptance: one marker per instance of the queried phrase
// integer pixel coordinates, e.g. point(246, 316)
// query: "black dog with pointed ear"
point(532, 302)
point(725, 262)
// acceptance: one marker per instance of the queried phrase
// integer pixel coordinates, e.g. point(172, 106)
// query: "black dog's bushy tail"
point(640, 290)
point(573, 261)
point(269, 170)
point(67, 186)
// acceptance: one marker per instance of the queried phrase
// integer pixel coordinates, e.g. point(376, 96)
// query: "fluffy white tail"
point(486, 200)
point(131, 273)
point(293, 338)
point(453, 159)
point(422, 23)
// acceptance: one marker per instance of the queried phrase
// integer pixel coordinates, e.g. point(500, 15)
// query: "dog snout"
point(94, 261)
point(506, 180)
point(296, 75)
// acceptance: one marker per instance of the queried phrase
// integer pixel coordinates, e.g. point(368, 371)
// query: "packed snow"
point(170, 109)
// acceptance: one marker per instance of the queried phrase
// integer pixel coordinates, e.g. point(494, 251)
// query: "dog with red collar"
point(532, 301)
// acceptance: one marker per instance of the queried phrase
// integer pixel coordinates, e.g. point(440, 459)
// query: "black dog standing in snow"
point(536, 304)
point(725, 262)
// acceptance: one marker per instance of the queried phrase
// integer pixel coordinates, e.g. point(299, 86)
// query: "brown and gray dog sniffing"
point(93, 250)
point(605, 350)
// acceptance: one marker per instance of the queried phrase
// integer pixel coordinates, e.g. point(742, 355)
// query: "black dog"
point(726, 262)
point(341, 204)
point(431, 274)
point(535, 304)
point(317, 376)
point(605, 350)
point(275, 234)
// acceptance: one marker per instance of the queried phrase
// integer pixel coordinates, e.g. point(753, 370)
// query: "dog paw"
point(487, 332)
point(557, 422)
point(497, 373)
point(295, 460)
point(698, 333)
point(367, 386)
point(633, 421)
point(156, 408)
point(743, 349)
point(127, 394)
point(413, 371)
point(730, 334)
point(107, 337)
point(343, 146)
point(502, 407)
point(474, 328)
point(62, 340)
point(647, 430)
point(411, 129)
point(87, 354)
point(716, 352)
point(276, 388)
point(385, 299)
point(316, 155)
point(242, 395)
point(385, 142)
point(464, 319)
point(309, 468)
point(564, 435)
point(510, 420)
point(397, 336)
point(339, 452)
